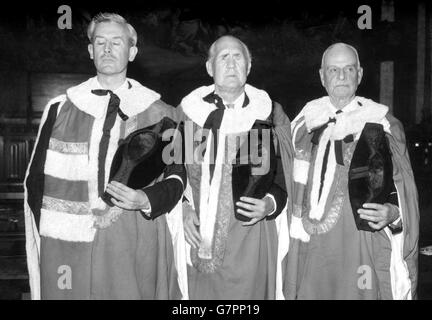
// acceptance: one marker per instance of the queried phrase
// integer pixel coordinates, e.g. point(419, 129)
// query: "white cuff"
point(147, 211)
point(395, 223)
point(274, 202)
point(174, 176)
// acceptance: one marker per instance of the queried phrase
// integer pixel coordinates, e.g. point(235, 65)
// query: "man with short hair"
point(79, 247)
point(354, 226)
point(234, 241)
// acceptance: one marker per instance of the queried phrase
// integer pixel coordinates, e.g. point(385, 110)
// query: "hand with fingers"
point(191, 225)
point(127, 198)
point(256, 209)
point(379, 215)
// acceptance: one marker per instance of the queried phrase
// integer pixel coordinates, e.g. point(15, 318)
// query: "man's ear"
point(90, 50)
point(359, 75)
point(132, 53)
point(321, 73)
point(249, 68)
point(209, 67)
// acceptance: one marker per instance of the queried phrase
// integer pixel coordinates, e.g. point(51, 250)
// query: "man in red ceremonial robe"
point(230, 258)
point(78, 247)
point(329, 256)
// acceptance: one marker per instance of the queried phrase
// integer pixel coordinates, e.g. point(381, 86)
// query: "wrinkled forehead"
point(110, 30)
point(229, 45)
point(340, 56)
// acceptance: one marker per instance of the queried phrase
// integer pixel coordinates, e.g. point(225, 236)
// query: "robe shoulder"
point(278, 116)
point(161, 109)
point(396, 128)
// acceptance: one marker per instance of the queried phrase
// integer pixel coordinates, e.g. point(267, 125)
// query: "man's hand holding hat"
point(127, 198)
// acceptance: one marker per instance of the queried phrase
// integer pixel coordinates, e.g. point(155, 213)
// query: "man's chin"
point(341, 98)
point(233, 83)
point(106, 69)
point(342, 92)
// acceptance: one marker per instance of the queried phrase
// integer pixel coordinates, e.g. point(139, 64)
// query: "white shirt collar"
point(124, 86)
point(349, 107)
point(238, 103)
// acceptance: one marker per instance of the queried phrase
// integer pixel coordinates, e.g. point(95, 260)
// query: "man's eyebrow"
point(335, 66)
point(104, 37)
point(228, 53)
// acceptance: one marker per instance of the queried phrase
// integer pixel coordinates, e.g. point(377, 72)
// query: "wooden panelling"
point(46, 86)
point(15, 152)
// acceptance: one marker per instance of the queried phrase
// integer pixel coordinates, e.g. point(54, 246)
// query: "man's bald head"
point(337, 48)
point(340, 73)
point(229, 64)
point(220, 41)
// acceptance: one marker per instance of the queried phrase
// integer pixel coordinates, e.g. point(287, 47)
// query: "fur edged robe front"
point(246, 261)
point(342, 262)
point(68, 257)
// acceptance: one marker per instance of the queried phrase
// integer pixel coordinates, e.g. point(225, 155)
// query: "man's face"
point(340, 74)
point(111, 49)
point(229, 66)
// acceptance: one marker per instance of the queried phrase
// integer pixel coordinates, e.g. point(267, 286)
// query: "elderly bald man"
point(355, 221)
point(233, 241)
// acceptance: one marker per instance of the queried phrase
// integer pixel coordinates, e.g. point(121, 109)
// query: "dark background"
point(286, 41)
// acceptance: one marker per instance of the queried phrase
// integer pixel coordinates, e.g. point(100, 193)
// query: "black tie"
point(113, 109)
point(214, 120)
point(213, 123)
point(338, 147)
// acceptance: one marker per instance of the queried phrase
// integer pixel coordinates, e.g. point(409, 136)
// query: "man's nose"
point(107, 47)
point(341, 74)
point(230, 62)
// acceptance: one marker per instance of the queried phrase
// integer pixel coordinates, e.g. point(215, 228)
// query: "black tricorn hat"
point(371, 172)
point(138, 159)
point(258, 153)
